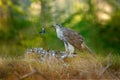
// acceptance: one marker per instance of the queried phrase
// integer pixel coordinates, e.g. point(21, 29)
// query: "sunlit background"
point(22, 20)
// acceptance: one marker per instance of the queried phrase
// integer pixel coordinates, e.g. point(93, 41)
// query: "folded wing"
point(73, 38)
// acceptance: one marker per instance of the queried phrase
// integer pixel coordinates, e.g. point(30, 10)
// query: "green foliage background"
point(22, 20)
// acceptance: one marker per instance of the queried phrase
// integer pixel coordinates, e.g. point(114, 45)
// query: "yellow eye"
point(57, 24)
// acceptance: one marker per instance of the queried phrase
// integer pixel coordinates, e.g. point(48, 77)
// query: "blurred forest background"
point(22, 20)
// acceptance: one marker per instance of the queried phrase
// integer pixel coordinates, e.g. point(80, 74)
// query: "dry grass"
point(83, 66)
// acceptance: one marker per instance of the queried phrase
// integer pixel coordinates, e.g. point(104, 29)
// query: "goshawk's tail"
point(85, 47)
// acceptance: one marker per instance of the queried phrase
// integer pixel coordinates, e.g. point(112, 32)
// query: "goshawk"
point(71, 39)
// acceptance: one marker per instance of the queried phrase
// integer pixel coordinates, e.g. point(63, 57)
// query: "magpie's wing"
point(43, 31)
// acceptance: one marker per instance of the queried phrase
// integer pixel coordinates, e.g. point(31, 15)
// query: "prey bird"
point(71, 39)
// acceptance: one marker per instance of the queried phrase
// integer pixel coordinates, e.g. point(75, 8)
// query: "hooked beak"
point(53, 26)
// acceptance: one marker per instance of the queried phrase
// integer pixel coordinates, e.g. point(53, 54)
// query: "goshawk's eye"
point(58, 24)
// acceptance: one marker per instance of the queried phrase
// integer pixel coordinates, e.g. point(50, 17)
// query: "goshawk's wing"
point(73, 38)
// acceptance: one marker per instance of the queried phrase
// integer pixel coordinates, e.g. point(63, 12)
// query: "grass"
point(83, 66)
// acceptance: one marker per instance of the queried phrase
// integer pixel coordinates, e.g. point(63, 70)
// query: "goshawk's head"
point(57, 25)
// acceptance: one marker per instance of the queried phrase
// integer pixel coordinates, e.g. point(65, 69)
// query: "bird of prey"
point(71, 39)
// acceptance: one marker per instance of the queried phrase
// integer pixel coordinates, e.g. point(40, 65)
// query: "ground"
point(83, 66)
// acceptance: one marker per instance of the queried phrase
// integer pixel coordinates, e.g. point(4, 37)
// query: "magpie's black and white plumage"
point(71, 39)
point(43, 31)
